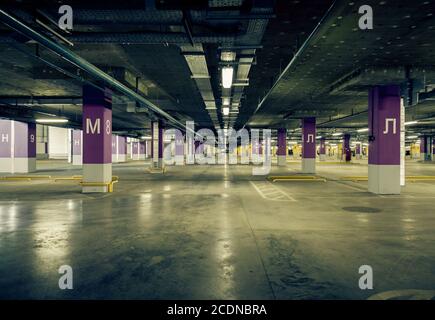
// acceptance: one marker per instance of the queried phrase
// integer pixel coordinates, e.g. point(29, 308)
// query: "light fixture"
point(337, 134)
point(319, 137)
point(363, 130)
point(226, 111)
point(226, 101)
point(412, 137)
point(51, 120)
point(227, 77)
point(146, 137)
point(410, 123)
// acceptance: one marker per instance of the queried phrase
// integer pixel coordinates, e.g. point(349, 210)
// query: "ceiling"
point(172, 53)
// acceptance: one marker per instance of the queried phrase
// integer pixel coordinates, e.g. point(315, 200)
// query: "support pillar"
point(282, 147)
point(77, 147)
point(346, 148)
point(179, 148)
point(157, 145)
point(309, 145)
point(135, 150)
point(384, 140)
point(358, 151)
point(425, 148)
point(17, 146)
point(97, 139)
point(122, 149)
point(141, 149)
point(322, 149)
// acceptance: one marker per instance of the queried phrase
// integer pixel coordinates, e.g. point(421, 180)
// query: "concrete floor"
point(215, 232)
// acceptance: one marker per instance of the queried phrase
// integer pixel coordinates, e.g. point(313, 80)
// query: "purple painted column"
point(282, 147)
point(384, 140)
point(141, 150)
point(122, 149)
point(322, 149)
point(135, 150)
point(346, 148)
point(77, 147)
point(97, 139)
point(17, 146)
point(309, 145)
point(358, 150)
point(157, 145)
point(425, 148)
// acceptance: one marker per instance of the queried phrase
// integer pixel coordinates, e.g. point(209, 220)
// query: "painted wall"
point(57, 143)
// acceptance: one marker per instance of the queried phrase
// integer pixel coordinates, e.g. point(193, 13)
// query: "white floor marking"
point(270, 192)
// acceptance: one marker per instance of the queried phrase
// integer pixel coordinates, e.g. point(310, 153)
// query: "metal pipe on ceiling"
point(296, 56)
point(75, 59)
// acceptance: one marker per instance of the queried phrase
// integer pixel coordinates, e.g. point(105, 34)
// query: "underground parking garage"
point(217, 150)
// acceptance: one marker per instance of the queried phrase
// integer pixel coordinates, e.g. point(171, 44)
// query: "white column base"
point(98, 173)
point(141, 157)
point(422, 156)
point(24, 165)
point(384, 179)
point(179, 160)
point(322, 157)
point(6, 165)
point(358, 157)
point(122, 157)
point(17, 165)
point(282, 160)
point(308, 165)
point(77, 160)
point(157, 165)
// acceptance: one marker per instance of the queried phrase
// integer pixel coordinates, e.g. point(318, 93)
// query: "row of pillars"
point(94, 146)
point(384, 141)
point(139, 150)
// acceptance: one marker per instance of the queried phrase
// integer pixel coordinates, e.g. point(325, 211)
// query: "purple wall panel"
point(77, 142)
point(21, 139)
point(384, 125)
point(5, 138)
point(122, 145)
point(134, 147)
point(141, 147)
point(309, 138)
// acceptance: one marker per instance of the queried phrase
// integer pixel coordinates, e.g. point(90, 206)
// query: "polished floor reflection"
point(215, 232)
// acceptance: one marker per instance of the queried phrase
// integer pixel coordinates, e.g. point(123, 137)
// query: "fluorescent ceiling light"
point(410, 123)
point(363, 130)
point(412, 137)
point(319, 137)
point(226, 101)
point(51, 120)
point(337, 134)
point(226, 111)
point(227, 77)
point(146, 137)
